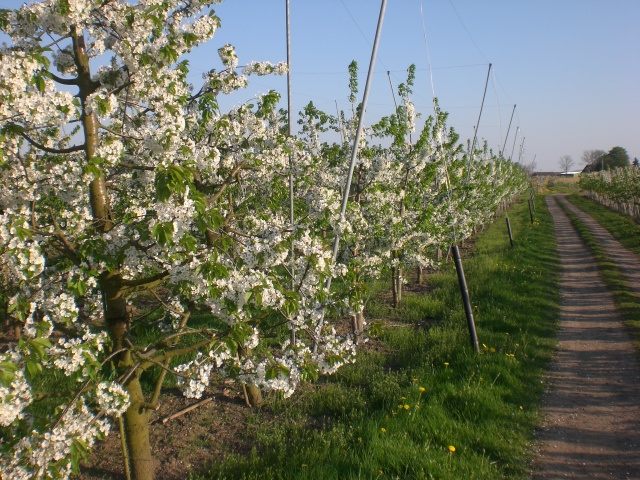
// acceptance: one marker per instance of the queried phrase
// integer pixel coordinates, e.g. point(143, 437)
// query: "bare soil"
point(592, 405)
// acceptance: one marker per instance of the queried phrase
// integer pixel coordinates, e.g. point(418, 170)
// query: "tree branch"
point(63, 81)
point(136, 167)
point(227, 182)
point(55, 151)
point(68, 247)
point(168, 354)
point(147, 283)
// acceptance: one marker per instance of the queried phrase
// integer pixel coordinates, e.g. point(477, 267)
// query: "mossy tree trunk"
point(136, 418)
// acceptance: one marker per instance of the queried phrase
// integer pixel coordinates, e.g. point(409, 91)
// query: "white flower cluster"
point(14, 398)
point(112, 398)
point(194, 376)
point(265, 68)
point(48, 454)
point(78, 354)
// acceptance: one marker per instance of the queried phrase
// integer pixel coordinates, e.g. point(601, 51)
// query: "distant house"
point(557, 174)
point(574, 173)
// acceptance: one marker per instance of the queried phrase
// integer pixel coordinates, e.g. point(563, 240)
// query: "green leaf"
point(190, 39)
point(45, 342)
point(4, 18)
point(64, 7)
point(39, 82)
point(21, 232)
point(13, 129)
point(93, 170)
point(7, 370)
point(163, 233)
point(33, 368)
point(174, 179)
point(79, 287)
point(169, 54)
point(189, 242)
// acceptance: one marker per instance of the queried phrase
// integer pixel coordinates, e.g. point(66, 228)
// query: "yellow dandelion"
point(383, 430)
point(493, 350)
point(360, 439)
point(422, 389)
point(304, 465)
point(521, 407)
point(407, 407)
point(446, 364)
point(452, 448)
point(485, 347)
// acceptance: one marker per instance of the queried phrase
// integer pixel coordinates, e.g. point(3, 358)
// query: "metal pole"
point(521, 149)
point(509, 231)
point(514, 143)
point(508, 128)
point(465, 299)
point(392, 92)
point(532, 196)
point(289, 118)
point(290, 132)
point(475, 135)
point(354, 153)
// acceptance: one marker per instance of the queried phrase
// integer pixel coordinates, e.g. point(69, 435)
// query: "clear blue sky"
point(572, 67)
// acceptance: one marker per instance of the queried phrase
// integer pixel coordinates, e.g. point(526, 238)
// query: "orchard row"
point(148, 236)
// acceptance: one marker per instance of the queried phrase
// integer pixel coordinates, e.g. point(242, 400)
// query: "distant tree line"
point(599, 160)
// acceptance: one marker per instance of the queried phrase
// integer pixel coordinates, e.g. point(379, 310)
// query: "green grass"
point(372, 419)
point(627, 232)
point(552, 185)
point(622, 227)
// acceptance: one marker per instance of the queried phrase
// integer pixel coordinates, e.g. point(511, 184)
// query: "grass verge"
point(624, 229)
point(420, 403)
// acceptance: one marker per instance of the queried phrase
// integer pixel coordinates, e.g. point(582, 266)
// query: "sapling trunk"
point(136, 427)
point(394, 286)
point(253, 395)
point(420, 274)
point(357, 320)
point(136, 417)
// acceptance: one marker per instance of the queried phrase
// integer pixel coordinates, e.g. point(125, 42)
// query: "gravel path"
point(592, 405)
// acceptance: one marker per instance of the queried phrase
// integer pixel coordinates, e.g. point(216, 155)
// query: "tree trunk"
point(420, 275)
point(136, 417)
point(254, 395)
point(394, 286)
point(357, 321)
point(252, 391)
point(136, 427)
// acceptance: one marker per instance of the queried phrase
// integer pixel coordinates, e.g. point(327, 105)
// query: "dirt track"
point(592, 405)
